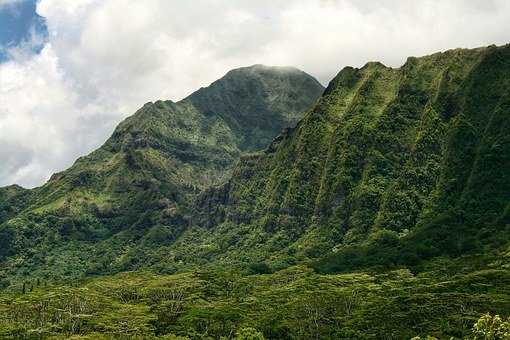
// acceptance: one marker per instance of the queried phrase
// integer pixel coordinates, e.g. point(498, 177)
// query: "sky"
point(71, 70)
point(19, 23)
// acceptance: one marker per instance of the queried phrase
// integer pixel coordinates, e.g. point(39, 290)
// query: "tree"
point(249, 333)
point(490, 327)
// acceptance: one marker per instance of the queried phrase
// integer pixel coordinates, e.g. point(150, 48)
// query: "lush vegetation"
point(383, 214)
point(135, 191)
point(443, 302)
point(393, 166)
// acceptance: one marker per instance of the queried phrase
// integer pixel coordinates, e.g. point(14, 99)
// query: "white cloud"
point(105, 58)
point(43, 125)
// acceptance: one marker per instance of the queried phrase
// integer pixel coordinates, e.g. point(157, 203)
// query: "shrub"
point(490, 327)
point(249, 333)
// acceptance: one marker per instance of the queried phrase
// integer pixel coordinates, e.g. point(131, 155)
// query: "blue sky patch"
point(18, 23)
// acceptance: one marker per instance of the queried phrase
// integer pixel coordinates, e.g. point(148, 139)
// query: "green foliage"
point(490, 327)
point(249, 333)
point(442, 301)
point(259, 268)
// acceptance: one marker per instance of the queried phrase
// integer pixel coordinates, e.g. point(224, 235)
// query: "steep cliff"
point(414, 159)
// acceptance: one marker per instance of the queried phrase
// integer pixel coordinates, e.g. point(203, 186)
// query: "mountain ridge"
point(383, 213)
point(355, 114)
point(156, 160)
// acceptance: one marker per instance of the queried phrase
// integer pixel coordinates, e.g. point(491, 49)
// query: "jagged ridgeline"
point(150, 168)
point(391, 166)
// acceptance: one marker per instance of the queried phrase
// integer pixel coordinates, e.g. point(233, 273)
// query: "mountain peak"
point(266, 68)
point(159, 157)
point(258, 98)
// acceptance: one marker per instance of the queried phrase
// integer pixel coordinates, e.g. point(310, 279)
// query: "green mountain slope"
point(141, 181)
point(383, 214)
point(390, 167)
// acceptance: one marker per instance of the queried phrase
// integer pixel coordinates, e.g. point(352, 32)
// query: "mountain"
point(149, 170)
point(391, 166)
point(384, 213)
